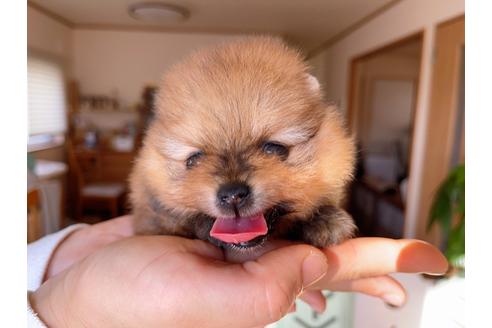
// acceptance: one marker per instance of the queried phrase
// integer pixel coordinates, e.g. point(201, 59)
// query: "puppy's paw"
point(328, 226)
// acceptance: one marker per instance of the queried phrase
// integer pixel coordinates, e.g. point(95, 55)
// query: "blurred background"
point(395, 68)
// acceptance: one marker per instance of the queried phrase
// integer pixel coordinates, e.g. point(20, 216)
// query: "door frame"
point(442, 118)
point(354, 84)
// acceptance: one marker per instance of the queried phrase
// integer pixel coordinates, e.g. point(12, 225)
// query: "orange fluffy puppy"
point(243, 148)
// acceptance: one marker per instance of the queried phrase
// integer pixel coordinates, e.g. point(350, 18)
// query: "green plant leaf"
point(456, 244)
point(449, 202)
point(441, 210)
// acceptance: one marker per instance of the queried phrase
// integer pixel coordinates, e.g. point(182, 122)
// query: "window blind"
point(46, 96)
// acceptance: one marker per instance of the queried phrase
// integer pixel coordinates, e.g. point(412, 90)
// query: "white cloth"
point(33, 320)
point(38, 256)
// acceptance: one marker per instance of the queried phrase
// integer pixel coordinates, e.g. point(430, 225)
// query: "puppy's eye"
point(271, 148)
point(194, 159)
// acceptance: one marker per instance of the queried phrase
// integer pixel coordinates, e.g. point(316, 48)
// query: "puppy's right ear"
point(313, 83)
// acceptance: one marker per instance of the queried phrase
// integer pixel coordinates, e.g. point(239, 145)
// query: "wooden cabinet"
point(102, 164)
point(34, 223)
point(98, 180)
point(376, 212)
point(116, 166)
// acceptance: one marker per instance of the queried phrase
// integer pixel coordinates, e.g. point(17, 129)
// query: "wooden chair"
point(34, 222)
point(89, 188)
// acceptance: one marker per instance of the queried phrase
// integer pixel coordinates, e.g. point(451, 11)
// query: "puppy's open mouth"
point(245, 231)
point(239, 230)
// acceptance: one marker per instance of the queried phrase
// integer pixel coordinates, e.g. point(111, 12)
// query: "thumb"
point(278, 277)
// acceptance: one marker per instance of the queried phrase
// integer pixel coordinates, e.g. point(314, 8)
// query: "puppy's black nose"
point(233, 195)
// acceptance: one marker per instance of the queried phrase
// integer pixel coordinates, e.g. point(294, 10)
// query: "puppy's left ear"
point(313, 83)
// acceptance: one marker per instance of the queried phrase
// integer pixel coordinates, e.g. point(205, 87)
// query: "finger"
point(272, 282)
point(369, 257)
point(315, 299)
point(384, 287)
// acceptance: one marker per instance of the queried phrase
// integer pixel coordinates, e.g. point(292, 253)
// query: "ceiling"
point(308, 23)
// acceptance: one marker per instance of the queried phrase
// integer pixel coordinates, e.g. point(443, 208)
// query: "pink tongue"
point(239, 230)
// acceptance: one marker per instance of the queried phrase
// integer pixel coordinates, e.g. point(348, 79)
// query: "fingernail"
point(393, 299)
point(435, 274)
point(439, 273)
point(430, 259)
point(313, 269)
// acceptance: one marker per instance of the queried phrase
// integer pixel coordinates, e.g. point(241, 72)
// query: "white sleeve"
point(38, 256)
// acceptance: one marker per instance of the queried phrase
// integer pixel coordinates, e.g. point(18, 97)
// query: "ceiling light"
point(158, 12)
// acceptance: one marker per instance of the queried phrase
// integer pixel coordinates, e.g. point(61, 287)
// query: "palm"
point(174, 275)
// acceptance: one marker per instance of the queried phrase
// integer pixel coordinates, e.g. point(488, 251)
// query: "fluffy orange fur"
point(227, 101)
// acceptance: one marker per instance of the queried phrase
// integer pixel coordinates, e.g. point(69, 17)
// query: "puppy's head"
point(242, 137)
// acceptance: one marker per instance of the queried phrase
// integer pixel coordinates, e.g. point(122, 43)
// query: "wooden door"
point(445, 116)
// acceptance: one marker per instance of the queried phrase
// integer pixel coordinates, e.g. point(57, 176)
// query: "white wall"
point(46, 35)
point(391, 107)
point(405, 18)
point(375, 126)
point(123, 62)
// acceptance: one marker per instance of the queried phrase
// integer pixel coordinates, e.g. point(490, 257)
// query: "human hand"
point(161, 281)
point(105, 289)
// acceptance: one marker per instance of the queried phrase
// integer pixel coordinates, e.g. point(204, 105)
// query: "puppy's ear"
point(313, 83)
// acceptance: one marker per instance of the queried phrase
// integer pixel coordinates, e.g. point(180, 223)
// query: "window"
point(46, 99)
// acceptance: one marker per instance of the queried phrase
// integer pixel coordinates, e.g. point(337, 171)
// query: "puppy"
point(242, 148)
